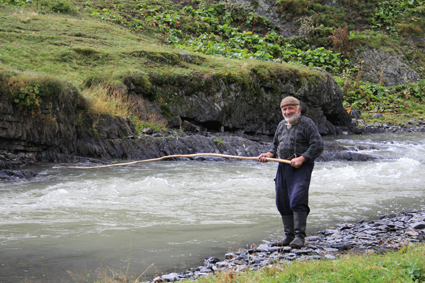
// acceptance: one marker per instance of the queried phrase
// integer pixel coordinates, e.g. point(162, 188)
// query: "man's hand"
point(297, 162)
point(263, 156)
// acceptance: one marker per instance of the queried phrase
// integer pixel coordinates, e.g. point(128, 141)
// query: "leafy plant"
point(376, 98)
point(218, 141)
point(26, 96)
point(57, 6)
point(13, 2)
point(212, 32)
point(390, 12)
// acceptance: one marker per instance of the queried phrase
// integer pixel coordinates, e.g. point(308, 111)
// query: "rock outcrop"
point(61, 129)
point(243, 113)
point(250, 102)
point(389, 67)
point(62, 133)
point(396, 69)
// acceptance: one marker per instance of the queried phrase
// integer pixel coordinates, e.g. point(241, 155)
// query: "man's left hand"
point(297, 162)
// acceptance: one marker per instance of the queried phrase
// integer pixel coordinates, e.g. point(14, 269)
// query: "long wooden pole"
point(175, 156)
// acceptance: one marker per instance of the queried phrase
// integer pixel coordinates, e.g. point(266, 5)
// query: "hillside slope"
point(122, 57)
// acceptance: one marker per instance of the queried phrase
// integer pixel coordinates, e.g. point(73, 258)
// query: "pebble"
point(389, 232)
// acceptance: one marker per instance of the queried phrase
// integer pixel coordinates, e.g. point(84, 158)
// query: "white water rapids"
point(172, 214)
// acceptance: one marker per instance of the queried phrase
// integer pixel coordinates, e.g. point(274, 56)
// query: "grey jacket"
point(301, 139)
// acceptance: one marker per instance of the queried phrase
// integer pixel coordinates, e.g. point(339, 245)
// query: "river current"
point(150, 218)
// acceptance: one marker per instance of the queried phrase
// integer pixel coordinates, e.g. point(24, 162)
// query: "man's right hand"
point(263, 156)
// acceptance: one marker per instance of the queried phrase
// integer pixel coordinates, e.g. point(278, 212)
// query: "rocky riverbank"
point(387, 233)
point(227, 119)
point(157, 145)
point(154, 145)
point(412, 126)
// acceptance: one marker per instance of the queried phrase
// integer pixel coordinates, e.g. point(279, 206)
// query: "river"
point(149, 218)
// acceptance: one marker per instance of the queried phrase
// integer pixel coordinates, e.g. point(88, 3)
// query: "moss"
point(254, 4)
point(95, 132)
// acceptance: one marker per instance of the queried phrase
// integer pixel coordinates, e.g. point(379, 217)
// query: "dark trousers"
point(292, 186)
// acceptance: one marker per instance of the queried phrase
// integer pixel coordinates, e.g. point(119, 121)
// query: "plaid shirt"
point(301, 139)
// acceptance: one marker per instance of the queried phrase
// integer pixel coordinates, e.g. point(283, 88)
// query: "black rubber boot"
point(288, 228)
point(300, 225)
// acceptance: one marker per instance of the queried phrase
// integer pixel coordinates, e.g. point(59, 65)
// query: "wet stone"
point(241, 267)
point(263, 248)
point(348, 237)
point(331, 250)
point(301, 252)
point(229, 256)
point(419, 225)
point(281, 249)
point(242, 251)
point(170, 277)
point(399, 224)
point(265, 262)
point(313, 238)
point(257, 259)
point(211, 260)
point(291, 256)
point(222, 264)
point(330, 232)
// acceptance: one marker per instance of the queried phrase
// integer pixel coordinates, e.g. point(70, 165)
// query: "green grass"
point(413, 112)
point(116, 43)
point(72, 48)
point(90, 53)
point(82, 49)
point(406, 265)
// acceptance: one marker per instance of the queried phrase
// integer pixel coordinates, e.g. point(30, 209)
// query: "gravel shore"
point(388, 232)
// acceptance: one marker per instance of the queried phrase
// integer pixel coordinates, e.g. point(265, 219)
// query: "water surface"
point(172, 214)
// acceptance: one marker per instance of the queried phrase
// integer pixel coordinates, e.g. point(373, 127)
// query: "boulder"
point(251, 102)
point(386, 66)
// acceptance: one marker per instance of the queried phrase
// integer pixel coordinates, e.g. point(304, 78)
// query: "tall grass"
point(108, 100)
point(104, 99)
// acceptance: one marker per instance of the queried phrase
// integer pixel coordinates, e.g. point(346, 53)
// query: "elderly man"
point(297, 139)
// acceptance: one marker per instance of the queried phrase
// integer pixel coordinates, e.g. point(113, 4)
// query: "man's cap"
point(289, 100)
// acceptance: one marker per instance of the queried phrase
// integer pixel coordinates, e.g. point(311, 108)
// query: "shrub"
point(29, 92)
point(58, 6)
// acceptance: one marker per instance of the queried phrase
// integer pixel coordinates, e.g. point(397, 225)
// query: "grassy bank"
point(406, 265)
point(102, 58)
point(94, 44)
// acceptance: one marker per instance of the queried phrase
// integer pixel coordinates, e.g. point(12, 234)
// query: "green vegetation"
point(218, 29)
point(29, 91)
point(218, 141)
point(113, 44)
point(406, 265)
point(376, 98)
point(117, 56)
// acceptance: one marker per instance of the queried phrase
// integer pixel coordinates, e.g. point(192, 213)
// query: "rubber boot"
point(300, 225)
point(288, 228)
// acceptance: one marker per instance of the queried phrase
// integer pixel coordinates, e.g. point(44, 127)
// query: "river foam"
point(188, 210)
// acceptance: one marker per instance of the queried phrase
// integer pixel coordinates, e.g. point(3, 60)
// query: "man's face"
point(289, 110)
